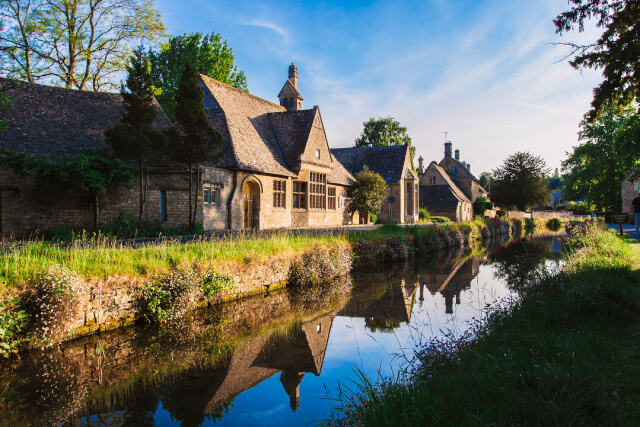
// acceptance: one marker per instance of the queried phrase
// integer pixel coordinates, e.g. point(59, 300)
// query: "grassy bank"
point(566, 354)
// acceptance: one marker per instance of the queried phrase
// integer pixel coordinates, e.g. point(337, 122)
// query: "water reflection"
point(266, 359)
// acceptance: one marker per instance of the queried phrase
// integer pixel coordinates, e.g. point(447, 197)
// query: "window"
point(635, 185)
point(163, 206)
point(318, 154)
point(317, 190)
point(332, 198)
point(299, 195)
point(210, 196)
point(630, 208)
point(409, 198)
point(432, 180)
point(279, 193)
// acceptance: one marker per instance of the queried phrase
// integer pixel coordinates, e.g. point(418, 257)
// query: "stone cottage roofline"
point(455, 190)
point(387, 160)
point(463, 168)
point(290, 86)
point(60, 122)
point(210, 80)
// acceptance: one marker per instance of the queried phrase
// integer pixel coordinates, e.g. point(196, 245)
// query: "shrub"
point(423, 214)
point(169, 296)
point(480, 205)
point(396, 248)
point(440, 219)
point(56, 304)
point(11, 322)
point(426, 242)
point(500, 213)
point(212, 284)
point(320, 265)
point(373, 218)
point(529, 225)
point(554, 224)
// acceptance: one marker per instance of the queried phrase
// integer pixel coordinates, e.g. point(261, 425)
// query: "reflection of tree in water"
point(382, 325)
point(521, 262)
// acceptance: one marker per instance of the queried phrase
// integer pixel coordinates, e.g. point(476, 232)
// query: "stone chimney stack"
point(447, 149)
point(420, 164)
point(469, 167)
point(457, 155)
point(464, 164)
point(293, 75)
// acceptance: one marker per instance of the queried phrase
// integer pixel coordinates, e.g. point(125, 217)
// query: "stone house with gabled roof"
point(280, 170)
point(440, 195)
point(460, 173)
point(393, 163)
point(60, 123)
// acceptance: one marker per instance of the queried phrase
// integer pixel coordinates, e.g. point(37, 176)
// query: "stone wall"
point(41, 206)
point(629, 189)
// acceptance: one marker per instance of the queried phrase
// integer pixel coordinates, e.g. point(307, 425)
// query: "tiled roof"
point(250, 142)
point(291, 129)
point(339, 175)
point(456, 190)
point(439, 198)
point(59, 122)
point(388, 160)
point(466, 171)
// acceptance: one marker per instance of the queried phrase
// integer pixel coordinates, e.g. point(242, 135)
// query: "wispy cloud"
point(266, 24)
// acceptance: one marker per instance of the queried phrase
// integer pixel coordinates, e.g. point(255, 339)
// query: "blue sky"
point(485, 70)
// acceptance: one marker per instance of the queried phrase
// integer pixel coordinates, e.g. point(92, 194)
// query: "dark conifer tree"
point(134, 136)
point(193, 140)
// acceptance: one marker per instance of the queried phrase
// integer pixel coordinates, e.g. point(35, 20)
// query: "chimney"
point(458, 155)
point(447, 149)
point(293, 75)
point(469, 167)
point(464, 164)
point(420, 164)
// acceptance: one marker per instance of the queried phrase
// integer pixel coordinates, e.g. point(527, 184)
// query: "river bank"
point(99, 285)
point(566, 353)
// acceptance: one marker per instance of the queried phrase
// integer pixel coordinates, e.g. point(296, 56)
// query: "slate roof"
point(439, 198)
point(466, 171)
point(59, 122)
point(458, 193)
point(388, 160)
point(261, 136)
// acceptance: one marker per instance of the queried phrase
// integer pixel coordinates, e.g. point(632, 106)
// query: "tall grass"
point(563, 354)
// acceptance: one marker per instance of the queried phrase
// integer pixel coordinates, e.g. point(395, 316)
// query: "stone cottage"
point(629, 188)
point(393, 163)
point(59, 123)
point(277, 170)
point(449, 188)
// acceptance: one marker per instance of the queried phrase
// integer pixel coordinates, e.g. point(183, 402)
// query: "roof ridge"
point(218, 82)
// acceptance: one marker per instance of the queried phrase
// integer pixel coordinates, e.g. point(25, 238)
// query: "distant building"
point(630, 187)
point(449, 188)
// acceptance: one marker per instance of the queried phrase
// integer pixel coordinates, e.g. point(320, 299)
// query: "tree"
point(368, 194)
point(92, 171)
point(212, 57)
point(596, 167)
point(555, 182)
point(79, 43)
point(134, 136)
point(616, 51)
point(485, 180)
point(384, 131)
point(521, 181)
point(193, 139)
point(5, 104)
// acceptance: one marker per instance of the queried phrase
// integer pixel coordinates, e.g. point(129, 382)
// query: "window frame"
point(331, 195)
point(279, 194)
point(299, 198)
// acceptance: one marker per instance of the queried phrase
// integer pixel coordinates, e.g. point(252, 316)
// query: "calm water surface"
point(276, 359)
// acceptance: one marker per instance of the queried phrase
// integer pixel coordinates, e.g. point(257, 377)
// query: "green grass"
point(566, 354)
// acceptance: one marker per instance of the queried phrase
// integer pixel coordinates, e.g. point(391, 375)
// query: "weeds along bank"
point(54, 292)
point(564, 354)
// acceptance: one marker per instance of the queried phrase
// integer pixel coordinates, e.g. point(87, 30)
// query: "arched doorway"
point(251, 204)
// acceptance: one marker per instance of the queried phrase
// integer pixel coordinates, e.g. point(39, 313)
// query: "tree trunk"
point(195, 203)
point(141, 171)
point(190, 191)
point(96, 211)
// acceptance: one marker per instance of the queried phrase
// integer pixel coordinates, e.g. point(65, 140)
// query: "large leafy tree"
point(194, 141)
point(211, 55)
point(370, 191)
point(93, 171)
point(79, 44)
point(384, 131)
point(5, 104)
point(485, 180)
point(616, 51)
point(596, 167)
point(134, 137)
point(521, 181)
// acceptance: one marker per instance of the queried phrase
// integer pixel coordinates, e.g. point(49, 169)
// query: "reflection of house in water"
point(384, 309)
point(451, 282)
point(292, 352)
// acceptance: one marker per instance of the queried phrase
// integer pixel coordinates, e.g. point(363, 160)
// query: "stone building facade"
point(393, 163)
point(449, 188)
point(629, 189)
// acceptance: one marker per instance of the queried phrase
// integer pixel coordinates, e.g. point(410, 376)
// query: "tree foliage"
point(368, 194)
point(5, 104)
point(211, 56)
point(616, 52)
point(194, 141)
point(92, 171)
point(521, 181)
point(596, 167)
point(384, 131)
point(485, 180)
point(134, 137)
point(80, 44)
